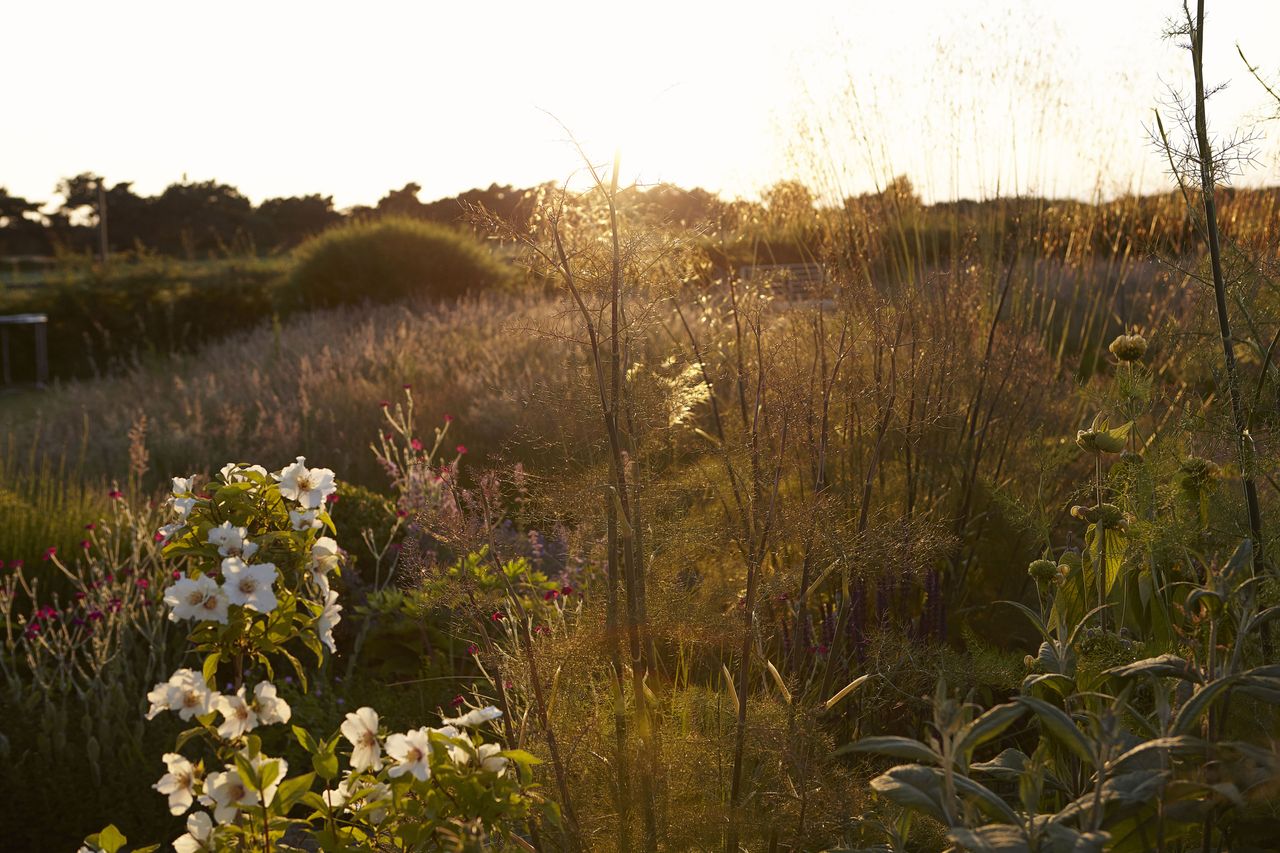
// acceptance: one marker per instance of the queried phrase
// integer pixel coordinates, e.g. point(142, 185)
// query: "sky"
point(352, 99)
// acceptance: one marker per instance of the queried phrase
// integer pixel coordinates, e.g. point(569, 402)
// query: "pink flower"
point(400, 513)
point(115, 494)
point(472, 649)
point(176, 574)
point(49, 552)
point(498, 616)
point(457, 700)
point(461, 448)
point(85, 544)
point(90, 526)
point(415, 444)
point(448, 419)
point(142, 583)
point(333, 498)
point(550, 595)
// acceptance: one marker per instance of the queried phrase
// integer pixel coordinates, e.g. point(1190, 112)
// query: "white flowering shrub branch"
point(257, 596)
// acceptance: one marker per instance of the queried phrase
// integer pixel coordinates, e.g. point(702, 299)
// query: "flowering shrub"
point(258, 597)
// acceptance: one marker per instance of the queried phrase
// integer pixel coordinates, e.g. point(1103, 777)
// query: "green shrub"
point(388, 259)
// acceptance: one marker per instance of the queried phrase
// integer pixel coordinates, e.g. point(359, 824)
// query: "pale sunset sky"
point(352, 99)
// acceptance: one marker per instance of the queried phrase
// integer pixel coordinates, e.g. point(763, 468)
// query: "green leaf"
point(989, 726)
point(1199, 703)
point(1163, 666)
point(1032, 617)
point(291, 791)
point(110, 839)
point(894, 747)
point(210, 669)
point(521, 757)
point(1062, 728)
point(305, 739)
point(913, 786)
point(326, 765)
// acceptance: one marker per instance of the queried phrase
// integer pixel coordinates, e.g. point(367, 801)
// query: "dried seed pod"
point(1129, 348)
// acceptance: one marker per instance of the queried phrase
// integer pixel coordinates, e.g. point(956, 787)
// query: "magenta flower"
point(85, 544)
point(415, 444)
point(461, 448)
point(49, 552)
point(115, 494)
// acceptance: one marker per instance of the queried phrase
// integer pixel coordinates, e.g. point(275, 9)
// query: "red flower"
point(90, 526)
point(115, 494)
point(472, 649)
point(456, 700)
point(386, 404)
point(415, 444)
point(448, 419)
point(85, 543)
point(408, 387)
point(550, 595)
point(142, 583)
point(400, 513)
point(461, 448)
point(176, 574)
point(568, 590)
point(498, 616)
point(49, 552)
point(159, 537)
point(333, 498)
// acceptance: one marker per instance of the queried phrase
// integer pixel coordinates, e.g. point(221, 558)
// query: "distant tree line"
point(207, 218)
point(203, 218)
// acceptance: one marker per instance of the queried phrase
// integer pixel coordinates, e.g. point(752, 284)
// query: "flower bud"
point(1198, 474)
point(1069, 561)
point(1042, 571)
point(1108, 516)
point(1099, 441)
point(1129, 348)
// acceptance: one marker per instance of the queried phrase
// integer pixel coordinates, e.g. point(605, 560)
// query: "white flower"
point(182, 506)
point(411, 751)
point(490, 761)
point(305, 520)
point(249, 586)
point(370, 795)
point(324, 559)
point(259, 762)
point(232, 541)
point(165, 533)
point(182, 485)
point(457, 754)
point(475, 717)
point(184, 692)
point(199, 834)
point(238, 716)
point(336, 798)
point(307, 486)
point(233, 472)
point(227, 793)
point(178, 784)
point(271, 708)
point(330, 616)
point(196, 598)
point(361, 729)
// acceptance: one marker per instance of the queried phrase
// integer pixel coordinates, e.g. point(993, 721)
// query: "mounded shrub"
point(382, 260)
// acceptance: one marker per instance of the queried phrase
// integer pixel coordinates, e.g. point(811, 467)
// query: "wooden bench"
point(40, 325)
point(787, 282)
